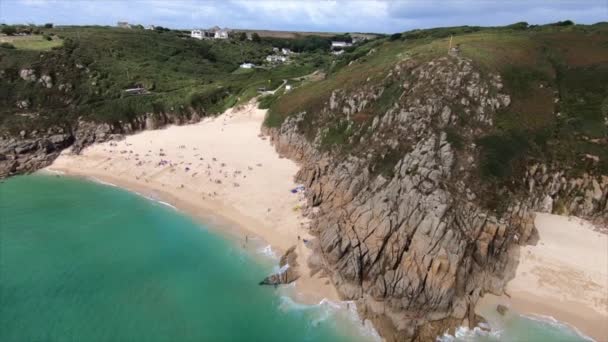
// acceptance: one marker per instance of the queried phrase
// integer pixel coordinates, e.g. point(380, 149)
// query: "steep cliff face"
point(36, 149)
point(396, 199)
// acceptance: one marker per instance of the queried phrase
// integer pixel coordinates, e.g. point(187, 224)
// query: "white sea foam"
point(165, 203)
point(557, 324)
point(466, 334)
point(343, 312)
point(51, 171)
point(267, 251)
point(97, 180)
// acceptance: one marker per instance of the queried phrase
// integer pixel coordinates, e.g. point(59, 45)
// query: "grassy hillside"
point(557, 76)
point(90, 68)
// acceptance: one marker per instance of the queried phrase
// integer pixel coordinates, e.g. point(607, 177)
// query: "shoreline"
point(233, 141)
point(563, 277)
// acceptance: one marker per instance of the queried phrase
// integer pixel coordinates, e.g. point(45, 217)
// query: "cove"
point(85, 261)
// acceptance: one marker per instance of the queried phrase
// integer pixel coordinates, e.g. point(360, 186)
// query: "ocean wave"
point(342, 312)
point(465, 334)
point(267, 251)
point(97, 180)
point(52, 171)
point(164, 203)
point(557, 324)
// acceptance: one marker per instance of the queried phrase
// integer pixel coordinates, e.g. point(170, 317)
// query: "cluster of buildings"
point(126, 25)
point(279, 56)
point(213, 33)
point(337, 47)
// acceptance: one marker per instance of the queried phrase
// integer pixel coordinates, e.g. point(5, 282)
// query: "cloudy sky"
point(305, 15)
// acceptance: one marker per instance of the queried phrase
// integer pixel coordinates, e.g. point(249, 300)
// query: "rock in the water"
point(288, 272)
point(501, 309)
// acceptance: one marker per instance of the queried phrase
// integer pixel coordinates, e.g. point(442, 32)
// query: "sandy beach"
point(565, 276)
point(220, 169)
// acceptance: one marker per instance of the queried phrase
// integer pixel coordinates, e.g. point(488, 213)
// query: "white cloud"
point(337, 15)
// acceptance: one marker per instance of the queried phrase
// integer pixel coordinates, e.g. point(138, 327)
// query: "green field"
point(33, 42)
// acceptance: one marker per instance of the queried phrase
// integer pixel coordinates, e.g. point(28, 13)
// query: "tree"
point(242, 36)
point(48, 25)
point(256, 37)
point(395, 36)
point(563, 23)
point(522, 25)
point(9, 30)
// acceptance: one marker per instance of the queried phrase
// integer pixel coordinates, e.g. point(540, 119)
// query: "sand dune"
point(565, 275)
point(221, 169)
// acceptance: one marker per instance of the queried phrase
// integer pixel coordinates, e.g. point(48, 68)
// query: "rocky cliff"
point(400, 213)
point(35, 148)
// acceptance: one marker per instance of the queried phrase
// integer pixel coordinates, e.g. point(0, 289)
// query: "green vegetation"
point(301, 44)
point(394, 36)
point(35, 42)
point(8, 30)
point(337, 134)
point(556, 75)
point(91, 67)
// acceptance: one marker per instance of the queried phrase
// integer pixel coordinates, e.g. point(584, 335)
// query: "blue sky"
point(322, 15)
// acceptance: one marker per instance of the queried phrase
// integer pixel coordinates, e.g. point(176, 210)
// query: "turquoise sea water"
point(80, 261)
point(519, 328)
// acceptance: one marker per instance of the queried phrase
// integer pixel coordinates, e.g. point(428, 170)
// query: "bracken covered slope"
point(418, 189)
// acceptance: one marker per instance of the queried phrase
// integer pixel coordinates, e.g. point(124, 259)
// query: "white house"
point(340, 44)
point(247, 65)
point(123, 24)
point(276, 59)
point(198, 34)
point(150, 27)
point(221, 34)
point(212, 33)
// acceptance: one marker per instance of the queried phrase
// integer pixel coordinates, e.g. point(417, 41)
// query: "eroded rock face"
point(413, 242)
point(288, 272)
point(31, 151)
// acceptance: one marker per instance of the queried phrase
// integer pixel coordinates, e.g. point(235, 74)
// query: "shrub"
point(395, 36)
point(266, 101)
point(7, 46)
point(522, 25)
point(519, 80)
point(48, 25)
point(9, 30)
point(256, 37)
point(47, 37)
point(336, 134)
point(563, 23)
point(454, 138)
point(499, 152)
